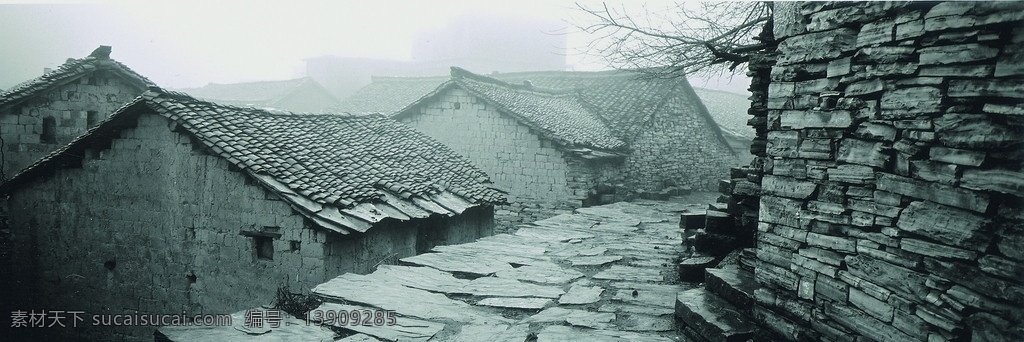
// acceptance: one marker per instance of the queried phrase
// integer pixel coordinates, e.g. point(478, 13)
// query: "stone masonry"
point(892, 195)
point(542, 180)
point(71, 106)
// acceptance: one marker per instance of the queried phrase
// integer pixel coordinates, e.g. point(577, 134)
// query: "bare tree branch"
point(713, 36)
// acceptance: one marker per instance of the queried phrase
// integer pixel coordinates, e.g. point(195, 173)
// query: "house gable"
point(42, 114)
point(526, 163)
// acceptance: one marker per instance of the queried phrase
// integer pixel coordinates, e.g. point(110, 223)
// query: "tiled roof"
point(559, 115)
point(344, 172)
point(622, 99)
point(388, 95)
point(70, 71)
point(728, 109)
point(263, 93)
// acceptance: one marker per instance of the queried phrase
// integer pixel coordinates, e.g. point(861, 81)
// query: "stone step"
point(718, 222)
point(733, 284)
point(713, 244)
point(692, 269)
point(710, 318)
point(692, 220)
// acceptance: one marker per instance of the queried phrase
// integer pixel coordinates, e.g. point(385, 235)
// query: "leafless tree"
point(691, 38)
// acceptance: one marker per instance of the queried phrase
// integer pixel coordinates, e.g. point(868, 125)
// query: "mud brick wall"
point(678, 147)
point(21, 126)
point(154, 225)
point(542, 181)
point(892, 210)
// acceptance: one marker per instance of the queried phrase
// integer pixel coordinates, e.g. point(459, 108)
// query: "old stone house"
point(42, 114)
point(295, 95)
point(178, 205)
point(560, 140)
point(730, 112)
point(891, 181)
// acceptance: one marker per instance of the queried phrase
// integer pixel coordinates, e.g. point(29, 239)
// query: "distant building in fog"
point(44, 113)
point(559, 140)
point(296, 95)
point(178, 205)
point(489, 43)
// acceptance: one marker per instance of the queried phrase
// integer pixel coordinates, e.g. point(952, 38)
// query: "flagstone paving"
point(604, 273)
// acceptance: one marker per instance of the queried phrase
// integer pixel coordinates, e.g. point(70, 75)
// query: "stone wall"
point(21, 127)
point(542, 180)
point(678, 147)
point(892, 196)
point(154, 225)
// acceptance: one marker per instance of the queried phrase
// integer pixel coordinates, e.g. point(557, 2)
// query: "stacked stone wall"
point(21, 126)
point(678, 147)
point(892, 196)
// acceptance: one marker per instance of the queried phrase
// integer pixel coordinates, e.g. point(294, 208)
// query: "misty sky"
point(180, 44)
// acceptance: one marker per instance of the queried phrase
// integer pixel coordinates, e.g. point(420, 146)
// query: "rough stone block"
point(985, 88)
point(876, 32)
point(817, 46)
point(862, 152)
point(1000, 180)
point(876, 131)
point(956, 156)
point(1005, 109)
point(768, 274)
point(691, 220)
point(805, 119)
point(951, 196)
point(864, 324)
point(692, 269)
point(979, 71)
point(977, 131)
point(787, 187)
point(949, 225)
point(955, 54)
point(936, 250)
point(912, 101)
point(889, 276)
point(1008, 63)
point(934, 171)
point(874, 307)
point(838, 67)
point(884, 54)
point(833, 243)
point(815, 149)
point(849, 173)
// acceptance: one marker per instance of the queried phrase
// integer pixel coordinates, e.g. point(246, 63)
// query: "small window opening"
point(191, 277)
point(92, 117)
point(49, 135)
point(264, 247)
point(457, 105)
point(110, 265)
point(295, 246)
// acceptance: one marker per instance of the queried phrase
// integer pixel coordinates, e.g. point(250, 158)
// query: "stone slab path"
point(604, 273)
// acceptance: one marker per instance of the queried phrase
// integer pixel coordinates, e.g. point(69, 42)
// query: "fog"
point(180, 44)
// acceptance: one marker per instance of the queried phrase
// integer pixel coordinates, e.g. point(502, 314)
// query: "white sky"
point(190, 43)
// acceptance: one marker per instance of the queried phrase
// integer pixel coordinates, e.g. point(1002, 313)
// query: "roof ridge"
point(460, 73)
point(71, 68)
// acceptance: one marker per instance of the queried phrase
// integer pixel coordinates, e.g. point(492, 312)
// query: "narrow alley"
point(604, 273)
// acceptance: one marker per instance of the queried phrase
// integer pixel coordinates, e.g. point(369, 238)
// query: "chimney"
point(47, 70)
point(102, 52)
point(528, 84)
